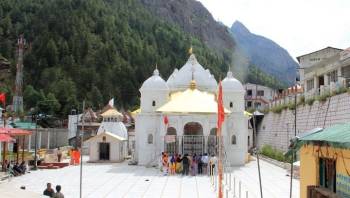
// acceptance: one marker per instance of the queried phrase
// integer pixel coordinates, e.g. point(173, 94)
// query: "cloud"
point(297, 25)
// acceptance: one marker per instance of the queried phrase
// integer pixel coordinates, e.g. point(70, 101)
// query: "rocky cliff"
point(264, 53)
point(195, 19)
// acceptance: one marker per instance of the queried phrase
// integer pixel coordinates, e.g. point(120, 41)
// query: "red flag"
point(3, 99)
point(221, 111)
point(166, 121)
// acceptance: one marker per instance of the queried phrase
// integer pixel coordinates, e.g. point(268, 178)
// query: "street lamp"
point(295, 129)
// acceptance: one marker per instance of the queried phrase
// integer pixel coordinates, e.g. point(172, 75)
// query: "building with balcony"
point(258, 96)
point(324, 71)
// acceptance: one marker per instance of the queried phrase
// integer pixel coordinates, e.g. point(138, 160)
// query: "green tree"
point(51, 53)
point(31, 97)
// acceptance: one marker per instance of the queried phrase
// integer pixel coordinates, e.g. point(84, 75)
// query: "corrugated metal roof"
point(337, 136)
point(24, 125)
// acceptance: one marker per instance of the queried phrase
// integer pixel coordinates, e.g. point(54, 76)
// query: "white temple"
point(188, 101)
point(110, 143)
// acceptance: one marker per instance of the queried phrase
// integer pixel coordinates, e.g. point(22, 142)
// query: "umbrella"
point(14, 131)
point(5, 138)
point(19, 132)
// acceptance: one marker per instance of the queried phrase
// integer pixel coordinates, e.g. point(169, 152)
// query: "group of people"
point(187, 164)
point(15, 169)
point(49, 191)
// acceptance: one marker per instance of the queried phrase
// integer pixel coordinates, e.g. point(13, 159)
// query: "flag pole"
point(220, 163)
point(221, 118)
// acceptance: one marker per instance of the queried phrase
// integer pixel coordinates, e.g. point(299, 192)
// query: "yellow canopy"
point(111, 113)
point(191, 101)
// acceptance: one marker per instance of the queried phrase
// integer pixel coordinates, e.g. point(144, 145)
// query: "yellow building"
point(325, 162)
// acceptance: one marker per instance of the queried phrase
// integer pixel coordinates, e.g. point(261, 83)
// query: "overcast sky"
point(299, 26)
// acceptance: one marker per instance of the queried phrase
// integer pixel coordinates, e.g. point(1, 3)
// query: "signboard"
point(343, 185)
point(170, 138)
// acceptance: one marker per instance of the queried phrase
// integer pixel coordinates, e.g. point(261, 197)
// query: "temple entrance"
point(193, 139)
point(171, 143)
point(213, 142)
point(104, 151)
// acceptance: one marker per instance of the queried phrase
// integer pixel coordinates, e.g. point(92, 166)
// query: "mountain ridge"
point(265, 53)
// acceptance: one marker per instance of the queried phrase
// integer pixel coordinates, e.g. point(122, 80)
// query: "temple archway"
point(171, 142)
point(193, 128)
point(193, 139)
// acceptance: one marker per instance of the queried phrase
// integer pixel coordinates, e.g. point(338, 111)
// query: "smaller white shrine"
point(110, 143)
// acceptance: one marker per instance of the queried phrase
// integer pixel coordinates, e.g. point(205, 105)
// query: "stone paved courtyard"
point(121, 180)
point(115, 180)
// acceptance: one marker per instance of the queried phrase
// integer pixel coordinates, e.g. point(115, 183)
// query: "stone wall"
point(276, 129)
point(48, 138)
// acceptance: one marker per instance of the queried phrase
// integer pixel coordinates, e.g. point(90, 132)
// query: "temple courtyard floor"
point(122, 180)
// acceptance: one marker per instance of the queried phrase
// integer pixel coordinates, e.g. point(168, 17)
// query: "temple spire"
point(193, 82)
point(190, 51)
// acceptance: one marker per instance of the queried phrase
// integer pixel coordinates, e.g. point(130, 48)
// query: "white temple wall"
point(237, 98)
point(236, 125)
point(160, 98)
point(147, 124)
point(117, 153)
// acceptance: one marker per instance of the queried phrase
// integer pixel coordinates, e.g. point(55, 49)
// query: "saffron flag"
point(166, 120)
point(221, 111)
point(3, 99)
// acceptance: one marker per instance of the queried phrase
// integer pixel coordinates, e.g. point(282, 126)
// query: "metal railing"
point(233, 187)
point(314, 93)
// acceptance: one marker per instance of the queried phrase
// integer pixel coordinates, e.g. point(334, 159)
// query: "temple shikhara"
point(180, 115)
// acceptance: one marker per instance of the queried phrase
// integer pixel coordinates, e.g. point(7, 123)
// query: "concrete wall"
point(277, 129)
point(47, 138)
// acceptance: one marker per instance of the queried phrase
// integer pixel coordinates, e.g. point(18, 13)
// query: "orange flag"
point(221, 111)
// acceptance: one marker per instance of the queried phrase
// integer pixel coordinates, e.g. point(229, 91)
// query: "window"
point(327, 173)
point(260, 93)
point(231, 104)
point(233, 139)
point(249, 92)
point(249, 104)
point(332, 76)
point(150, 139)
point(345, 72)
point(309, 84)
point(153, 103)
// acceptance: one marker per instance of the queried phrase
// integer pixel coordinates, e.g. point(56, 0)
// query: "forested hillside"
point(93, 50)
